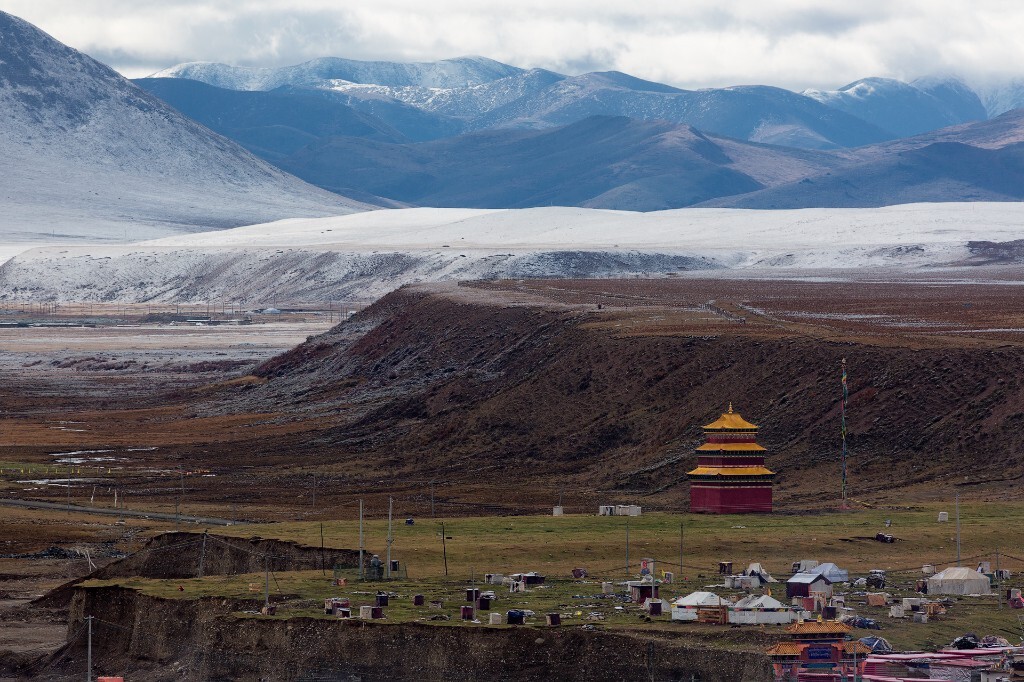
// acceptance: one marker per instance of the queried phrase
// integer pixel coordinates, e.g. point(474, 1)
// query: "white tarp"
point(757, 569)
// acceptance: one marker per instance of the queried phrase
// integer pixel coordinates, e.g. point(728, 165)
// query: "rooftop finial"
point(730, 407)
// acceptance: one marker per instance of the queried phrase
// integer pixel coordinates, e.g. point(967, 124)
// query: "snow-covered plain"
point(821, 235)
point(364, 255)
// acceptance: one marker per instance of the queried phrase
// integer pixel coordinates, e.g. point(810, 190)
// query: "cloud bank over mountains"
point(795, 44)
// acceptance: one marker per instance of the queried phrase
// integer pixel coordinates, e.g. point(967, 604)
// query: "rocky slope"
point(178, 639)
point(426, 384)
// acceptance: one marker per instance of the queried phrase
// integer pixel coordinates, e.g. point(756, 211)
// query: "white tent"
point(760, 609)
point(756, 569)
point(959, 580)
point(685, 608)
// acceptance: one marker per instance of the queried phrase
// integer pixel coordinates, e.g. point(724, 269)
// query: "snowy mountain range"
point(474, 132)
point(600, 161)
point(481, 93)
point(449, 73)
point(903, 109)
point(87, 154)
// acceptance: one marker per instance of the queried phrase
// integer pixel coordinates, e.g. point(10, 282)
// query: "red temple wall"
point(745, 438)
point(730, 460)
point(712, 499)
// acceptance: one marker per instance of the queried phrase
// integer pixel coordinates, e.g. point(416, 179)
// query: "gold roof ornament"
point(732, 421)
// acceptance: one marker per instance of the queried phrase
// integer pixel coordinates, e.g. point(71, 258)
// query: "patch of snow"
point(447, 73)
point(362, 256)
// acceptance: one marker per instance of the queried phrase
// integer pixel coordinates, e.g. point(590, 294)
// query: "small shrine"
point(818, 647)
point(730, 477)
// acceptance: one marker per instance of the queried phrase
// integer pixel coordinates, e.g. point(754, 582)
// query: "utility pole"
point(361, 572)
point(627, 546)
point(390, 536)
point(431, 499)
point(680, 549)
point(266, 589)
point(323, 557)
point(958, 528)
point(88, 648)
point(314, 492)
point(999, 582)
point(444, 550)
point(181, 495)
point(846, 398)
point(69, 489)
point(202, 554)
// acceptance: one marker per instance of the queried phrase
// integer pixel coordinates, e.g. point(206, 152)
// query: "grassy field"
point(558, 544)
point(555, 545)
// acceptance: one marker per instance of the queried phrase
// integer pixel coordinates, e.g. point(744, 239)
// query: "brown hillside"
point(532, 389)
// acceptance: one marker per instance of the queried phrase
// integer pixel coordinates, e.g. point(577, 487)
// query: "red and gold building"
point(819, 647)
point(730, 477)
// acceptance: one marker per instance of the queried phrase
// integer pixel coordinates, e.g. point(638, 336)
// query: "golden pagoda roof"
point(862, 648)
point(815, 627)
point(786, 649)
point(733, 447)
point(731, 471)
point(731, 420)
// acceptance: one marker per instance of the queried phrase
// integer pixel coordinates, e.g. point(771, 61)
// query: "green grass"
point(555, 545)
point(558, 544)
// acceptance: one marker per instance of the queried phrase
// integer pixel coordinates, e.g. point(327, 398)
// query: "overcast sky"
point(688, 43)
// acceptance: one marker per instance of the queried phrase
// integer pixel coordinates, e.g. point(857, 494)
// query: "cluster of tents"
point(810, 578)
point(751, 610)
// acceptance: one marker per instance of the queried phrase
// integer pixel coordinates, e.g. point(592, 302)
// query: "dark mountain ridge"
point(600, 162)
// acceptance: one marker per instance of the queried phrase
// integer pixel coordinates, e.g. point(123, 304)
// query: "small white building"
point(685, 608)
point(619, 510)
point(742, 582)
point(760, 609)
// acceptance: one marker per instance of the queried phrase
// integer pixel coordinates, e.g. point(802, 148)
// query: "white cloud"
point(695, 43)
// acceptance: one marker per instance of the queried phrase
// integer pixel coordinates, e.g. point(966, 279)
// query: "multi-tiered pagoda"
point(730, 477)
